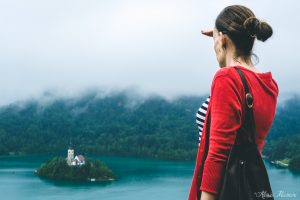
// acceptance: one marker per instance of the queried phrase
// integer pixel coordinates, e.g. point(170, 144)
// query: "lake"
point(139, 178)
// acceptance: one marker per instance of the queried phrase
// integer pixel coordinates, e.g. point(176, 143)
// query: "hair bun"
point(256, 28)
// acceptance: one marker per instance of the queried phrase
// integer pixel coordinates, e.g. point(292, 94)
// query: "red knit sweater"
point(227, 110)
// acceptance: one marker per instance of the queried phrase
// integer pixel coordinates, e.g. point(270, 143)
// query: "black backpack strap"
point(249, 122)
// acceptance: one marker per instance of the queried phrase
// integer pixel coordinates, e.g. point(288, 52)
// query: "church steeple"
point(70, 145)
point(70, 157)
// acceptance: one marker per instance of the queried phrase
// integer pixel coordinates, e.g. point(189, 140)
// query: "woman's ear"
point(223, 40)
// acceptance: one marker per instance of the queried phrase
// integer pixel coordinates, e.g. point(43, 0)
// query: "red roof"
point(81, 158)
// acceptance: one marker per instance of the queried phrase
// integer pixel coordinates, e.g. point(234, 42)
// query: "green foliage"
point(287, 119)
point(121, 124)
point(57, 168)
point(295, 163)
point(114, 125)
point(285, 148)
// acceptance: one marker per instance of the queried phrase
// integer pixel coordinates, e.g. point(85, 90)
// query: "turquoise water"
point(138, 179)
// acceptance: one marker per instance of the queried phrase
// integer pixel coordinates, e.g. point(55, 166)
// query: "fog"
point(65, 48)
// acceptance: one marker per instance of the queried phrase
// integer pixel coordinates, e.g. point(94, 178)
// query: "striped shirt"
point(200, 117)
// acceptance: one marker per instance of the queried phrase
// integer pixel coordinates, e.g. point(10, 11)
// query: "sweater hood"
point(265, 79)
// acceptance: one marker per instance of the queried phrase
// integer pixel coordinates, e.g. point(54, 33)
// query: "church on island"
point(75, 168)
point(74, 161)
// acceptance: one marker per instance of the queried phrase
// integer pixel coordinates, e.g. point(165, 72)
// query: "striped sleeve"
point(200, 117)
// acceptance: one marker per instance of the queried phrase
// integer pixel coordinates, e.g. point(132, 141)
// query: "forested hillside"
point(287, 120)
point(117, 124)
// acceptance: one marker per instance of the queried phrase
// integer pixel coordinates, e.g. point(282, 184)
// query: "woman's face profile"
point(218, 38)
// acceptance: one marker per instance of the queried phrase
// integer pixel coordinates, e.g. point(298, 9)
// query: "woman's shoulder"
point(225, 71)
point(221, 72)
point(231, 73)
point(226, 78)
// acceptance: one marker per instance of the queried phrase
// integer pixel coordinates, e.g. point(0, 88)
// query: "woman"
point(236, 29)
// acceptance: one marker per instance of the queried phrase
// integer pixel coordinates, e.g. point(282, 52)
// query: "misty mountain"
point(287, 119)
point(116, 124)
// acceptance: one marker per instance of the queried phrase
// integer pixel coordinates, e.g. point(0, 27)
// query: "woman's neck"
point(231, 60)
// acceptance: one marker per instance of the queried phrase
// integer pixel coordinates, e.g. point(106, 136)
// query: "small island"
point(75, 168)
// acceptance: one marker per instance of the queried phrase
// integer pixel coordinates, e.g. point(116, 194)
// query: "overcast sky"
point(69, 46)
